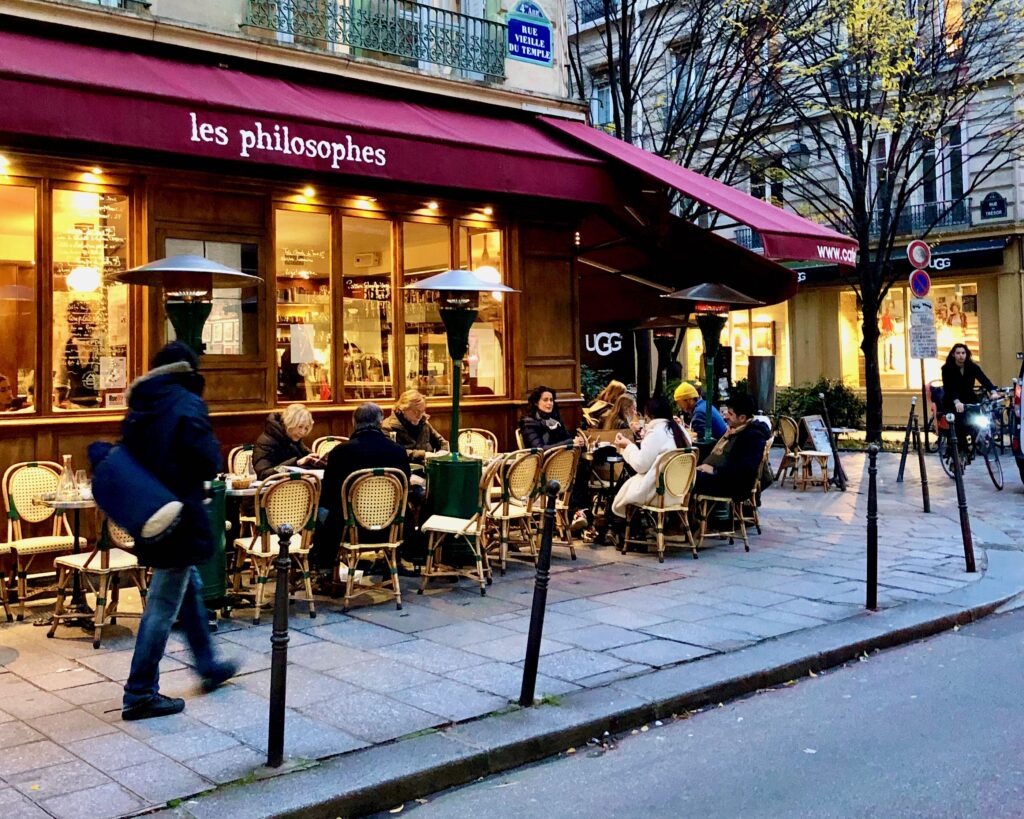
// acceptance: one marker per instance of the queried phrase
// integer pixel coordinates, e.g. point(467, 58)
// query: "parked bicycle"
point(981, 420)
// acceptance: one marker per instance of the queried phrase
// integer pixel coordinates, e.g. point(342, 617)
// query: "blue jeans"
point(172, 593)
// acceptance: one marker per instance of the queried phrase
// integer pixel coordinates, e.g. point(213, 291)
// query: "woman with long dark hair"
point(661, 434)
point(542, 426)
point(959, 374)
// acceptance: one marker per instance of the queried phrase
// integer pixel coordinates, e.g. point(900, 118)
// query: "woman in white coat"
point(661, 434)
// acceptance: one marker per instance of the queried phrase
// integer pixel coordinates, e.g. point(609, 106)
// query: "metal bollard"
point(961, 497)
point(279, 651)
point(906, 439)
point(925, 497)
point(872, 570)
point(540, 599)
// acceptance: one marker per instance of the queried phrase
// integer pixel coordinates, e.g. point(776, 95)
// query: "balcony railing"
point(591, 10)
point(411, 31)
point(748, 238)
point(126, 5)
point(917, 218)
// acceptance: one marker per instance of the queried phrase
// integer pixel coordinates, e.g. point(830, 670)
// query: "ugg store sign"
point(272, 138)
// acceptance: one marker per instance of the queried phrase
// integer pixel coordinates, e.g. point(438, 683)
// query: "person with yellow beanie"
point(694, 410)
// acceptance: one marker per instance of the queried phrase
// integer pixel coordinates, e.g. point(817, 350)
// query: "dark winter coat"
point(957, 386)
point(167, 430)
point(738, 466)
point(274, 448)
point(416, 439)
point(543, 431)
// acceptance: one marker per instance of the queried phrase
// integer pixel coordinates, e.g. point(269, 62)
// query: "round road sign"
point(920, 283)
point(919, 254)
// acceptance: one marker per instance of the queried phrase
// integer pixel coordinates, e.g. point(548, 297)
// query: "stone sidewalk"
point(378, 675)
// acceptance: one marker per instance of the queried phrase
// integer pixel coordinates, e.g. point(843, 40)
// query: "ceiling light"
point(4, 162)
point(89, 176)
point(84, 280)
point(368, 198)
point(433, 205)
point(98, 171)
point(488, 211)
point(309, 192)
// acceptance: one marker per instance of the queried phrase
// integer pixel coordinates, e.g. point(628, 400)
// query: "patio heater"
point(459, 296)
point(188, 283)
point(666, 340)
point(711, 303)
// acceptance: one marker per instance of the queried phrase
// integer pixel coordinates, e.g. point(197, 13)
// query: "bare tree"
point(894, 93)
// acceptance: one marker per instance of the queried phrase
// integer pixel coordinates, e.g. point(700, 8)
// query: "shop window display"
point(426, 250)
point(90, 309)
point(17, 298)
point(368, 347)
point(303, 327)
point(480, 250)
point(760, 332)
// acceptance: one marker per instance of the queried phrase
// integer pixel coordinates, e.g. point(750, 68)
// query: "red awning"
point(786, 235)
point(62, 90)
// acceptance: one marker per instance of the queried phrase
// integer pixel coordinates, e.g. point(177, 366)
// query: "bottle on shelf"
point(67, 486)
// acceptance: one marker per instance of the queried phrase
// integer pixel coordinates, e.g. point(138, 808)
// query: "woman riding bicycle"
point(958, 376)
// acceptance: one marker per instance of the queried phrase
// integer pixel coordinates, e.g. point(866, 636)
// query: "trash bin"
point(214, 571)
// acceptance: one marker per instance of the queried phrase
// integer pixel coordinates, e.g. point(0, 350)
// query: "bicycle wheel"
point(946, 455)
point(993, 464)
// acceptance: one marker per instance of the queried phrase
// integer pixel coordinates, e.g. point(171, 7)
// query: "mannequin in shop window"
point(887, 326)
point(956, 316)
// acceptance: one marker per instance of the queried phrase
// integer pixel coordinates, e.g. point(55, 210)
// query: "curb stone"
point(378, 778)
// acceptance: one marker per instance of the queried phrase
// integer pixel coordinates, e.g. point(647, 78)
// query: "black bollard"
point(906, 439)
point(925, 497)
point(961, 497)
point(540, 599)
point(872, 578)
point(279, 651)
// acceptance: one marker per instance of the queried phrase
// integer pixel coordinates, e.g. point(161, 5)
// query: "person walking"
point(167, 429)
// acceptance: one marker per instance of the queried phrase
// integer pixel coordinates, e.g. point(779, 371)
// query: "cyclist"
point(958, 376)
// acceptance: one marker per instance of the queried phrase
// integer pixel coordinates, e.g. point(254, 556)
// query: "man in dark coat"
point(733, 465)
point(167, 430)
point(368, 448)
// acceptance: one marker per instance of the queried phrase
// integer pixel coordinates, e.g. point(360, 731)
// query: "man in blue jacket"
point(167, 430)
point(694, 409)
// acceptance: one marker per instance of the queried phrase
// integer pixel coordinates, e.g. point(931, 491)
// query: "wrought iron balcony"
point(591, 10)
point(748, 238)
point(413, 32)
point(917, 218)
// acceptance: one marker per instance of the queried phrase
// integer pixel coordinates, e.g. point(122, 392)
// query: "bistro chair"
point(323, 446)
point(519, 439)
point(516, 476)
point(373, 500)
point(480, 443)
point(472, 532)
point(807, 460)
point(676, 471)
point(22, 484)
point(101, 571)
point(292, 498)
point(240, 464)
point(790, 432)
point(737, 520)
point(748, 506)
point(559, 464)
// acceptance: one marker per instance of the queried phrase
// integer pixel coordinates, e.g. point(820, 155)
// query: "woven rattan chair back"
point(323, 446)
point(677, 470)
point(521, 473)
point(117, 536)
point(375, 499)
point(519, 439)
point(765, 461)
point(22, 483)
point(790, 432)
point(560, 465)
point(289, 498)
point(479, 442)
point(240, 459)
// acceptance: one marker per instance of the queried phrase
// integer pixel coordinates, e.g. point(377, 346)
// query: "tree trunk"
point(872, 374)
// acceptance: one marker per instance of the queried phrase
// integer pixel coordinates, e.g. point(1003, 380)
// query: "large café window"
point(763, 331)
point(956, 321)
point(17, 298)
point(90, 309)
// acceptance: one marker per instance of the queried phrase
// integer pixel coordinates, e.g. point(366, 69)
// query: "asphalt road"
point(933, 729)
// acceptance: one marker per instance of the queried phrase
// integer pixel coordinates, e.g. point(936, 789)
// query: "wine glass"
point(84, 484)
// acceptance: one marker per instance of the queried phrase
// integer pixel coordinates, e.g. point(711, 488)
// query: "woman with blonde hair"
point(622, 415)
point(596, 410)
point(410, 426)
point(280, 443)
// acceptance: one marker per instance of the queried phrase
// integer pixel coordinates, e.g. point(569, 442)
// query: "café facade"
point(336, 197)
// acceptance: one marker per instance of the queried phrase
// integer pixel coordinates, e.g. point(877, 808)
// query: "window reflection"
point(366, 270)
point(90, 309)
point(17, 298)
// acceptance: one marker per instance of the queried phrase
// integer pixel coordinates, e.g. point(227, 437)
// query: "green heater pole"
point(710, 325)
point(458, 319)
point(187, 317)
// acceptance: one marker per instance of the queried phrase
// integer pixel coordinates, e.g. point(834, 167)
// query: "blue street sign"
point(529, 34)
point(920, 283)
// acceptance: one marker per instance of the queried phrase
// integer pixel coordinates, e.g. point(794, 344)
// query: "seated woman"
point(595, 412)
point(623, 415)
point(280, 443)
point(410, 426)
point(661, 434)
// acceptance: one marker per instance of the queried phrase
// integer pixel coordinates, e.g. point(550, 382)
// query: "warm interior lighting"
point(97, 170)
point(84, 280)
point(488, 211)
point(89, 176)
point(433, 205)
point(488, 273)
point(4, 163)
point(309, 192)
point(368, 199)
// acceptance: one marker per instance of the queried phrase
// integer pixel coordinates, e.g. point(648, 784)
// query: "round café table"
point(78, 603)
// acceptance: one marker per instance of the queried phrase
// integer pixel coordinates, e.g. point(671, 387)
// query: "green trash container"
point(453, 489)
point(214, 571)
